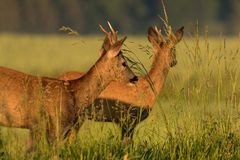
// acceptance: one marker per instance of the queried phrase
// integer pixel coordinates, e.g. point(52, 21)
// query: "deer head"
point(114, 62)
point(165, 45)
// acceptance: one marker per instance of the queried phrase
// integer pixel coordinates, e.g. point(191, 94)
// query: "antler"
point(109, 34)
point(113, 31)
point(160, 36)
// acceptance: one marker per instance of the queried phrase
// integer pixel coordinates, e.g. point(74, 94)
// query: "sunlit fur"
point(26, 101)
point(126, 104)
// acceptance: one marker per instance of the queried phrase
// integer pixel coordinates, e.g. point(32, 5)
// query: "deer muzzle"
point(174, 63)
point(134, 80)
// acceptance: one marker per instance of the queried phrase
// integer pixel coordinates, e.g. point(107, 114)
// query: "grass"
point(201, 99)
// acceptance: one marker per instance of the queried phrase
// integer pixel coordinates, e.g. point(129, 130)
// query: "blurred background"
point(130, 16)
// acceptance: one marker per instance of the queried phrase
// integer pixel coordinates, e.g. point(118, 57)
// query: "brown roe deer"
point(126, 104)
point(26, 100)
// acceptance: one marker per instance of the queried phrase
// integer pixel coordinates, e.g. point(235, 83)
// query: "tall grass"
point(200, 98)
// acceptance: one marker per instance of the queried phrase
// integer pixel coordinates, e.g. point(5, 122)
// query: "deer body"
point(24, 97)
point(26, 100)
point(126, 104)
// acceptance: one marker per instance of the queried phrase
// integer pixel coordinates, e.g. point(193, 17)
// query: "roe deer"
point(25, 99)
point(127, 105)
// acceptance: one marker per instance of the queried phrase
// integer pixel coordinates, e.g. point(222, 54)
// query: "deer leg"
point(127, 131)
point(51, 136)
point(74, 130)
point(127, 135)
point(35, 136)
point(72, 135)
point(31, 142)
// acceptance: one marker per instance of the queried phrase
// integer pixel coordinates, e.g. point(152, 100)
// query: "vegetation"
point(201, 100)
point(46, 16)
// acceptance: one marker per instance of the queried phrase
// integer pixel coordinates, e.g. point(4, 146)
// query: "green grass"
point(200, 99)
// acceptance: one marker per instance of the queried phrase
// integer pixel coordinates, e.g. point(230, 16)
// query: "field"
point(200, 99)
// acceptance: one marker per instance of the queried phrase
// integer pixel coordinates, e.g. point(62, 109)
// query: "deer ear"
point(152, 35)
point(179, 34)
point(115, 48)
point(177, 37)
point(153, 38)
point(102, 52)
point(105, 46)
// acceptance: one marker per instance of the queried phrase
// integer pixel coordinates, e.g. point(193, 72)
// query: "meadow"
point(197, 115)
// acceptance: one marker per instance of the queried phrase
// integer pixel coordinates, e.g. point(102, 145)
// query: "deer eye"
point(124, 64)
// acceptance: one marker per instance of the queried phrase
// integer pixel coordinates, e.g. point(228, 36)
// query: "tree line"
point(131, 16)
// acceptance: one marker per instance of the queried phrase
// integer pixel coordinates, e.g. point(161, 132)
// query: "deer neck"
point(159, 70)
point(89, 86)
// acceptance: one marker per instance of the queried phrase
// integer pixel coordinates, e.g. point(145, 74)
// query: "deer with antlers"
point(26, 100)
point(125, 104)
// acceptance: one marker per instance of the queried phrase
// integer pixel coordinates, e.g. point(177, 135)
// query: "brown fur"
point(127, 104)
point(26, 100)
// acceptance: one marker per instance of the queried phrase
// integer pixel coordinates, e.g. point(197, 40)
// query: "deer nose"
point(134, 79)
point(174, 63)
